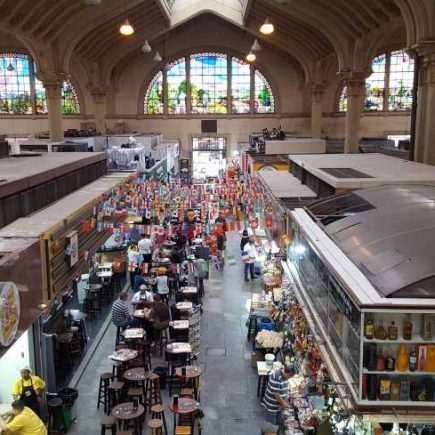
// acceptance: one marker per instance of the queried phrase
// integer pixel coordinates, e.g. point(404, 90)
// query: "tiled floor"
point(229, 384)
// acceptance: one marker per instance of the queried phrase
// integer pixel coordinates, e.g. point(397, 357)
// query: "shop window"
point(205, 83)
point(390, 85)
point(21, 93)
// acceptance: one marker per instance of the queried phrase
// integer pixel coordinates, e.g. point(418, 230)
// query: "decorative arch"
point(21, 93)
point(207, 83)
point(389, 87)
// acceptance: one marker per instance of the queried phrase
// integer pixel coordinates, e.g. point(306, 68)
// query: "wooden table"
point(179, 324)
point(192, 375)
point(124, 355)
point(189, 290)
point(263, 371)
point(185, 406)
point(136, 375)
point(133, 333)
point(184, 306)
point(125, 412)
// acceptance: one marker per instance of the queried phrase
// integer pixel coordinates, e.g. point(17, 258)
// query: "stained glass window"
point(401, 81)
point(18, 81)
point(153, 104)
point(395, 68)
point(264, 101)
point(177, 86)
point(208, 83)
point(199, 84)
point(15, 90)
point(375, 85)
point(240, 86)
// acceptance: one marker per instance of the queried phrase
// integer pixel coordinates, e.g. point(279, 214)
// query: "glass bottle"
point(380, 332)
point(402, 359)
point(412, 361)
point(380, 362)
point(426, 326)
point(392, 331)
point(407, 328)
point(369, 328)
point(390, 363)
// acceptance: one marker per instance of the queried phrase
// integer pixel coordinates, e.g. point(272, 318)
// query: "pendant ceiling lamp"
point(250, 57)
point(146, 47)
point(267, 27)
point(10, 67)
point(126, 28)
point(157, 57)
point(256, 46)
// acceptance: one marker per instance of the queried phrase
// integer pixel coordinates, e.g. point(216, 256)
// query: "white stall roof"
point(40, 222)
point(282, 184)
point(374, 169)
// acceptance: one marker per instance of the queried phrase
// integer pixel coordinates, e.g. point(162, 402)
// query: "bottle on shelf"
point(422, 358)
point(426, 327)
point(412, 364)
point(380, 332)
point(369, 327)
point(392, 331)
point(390, 363)
point(402, 359)
point(380, 362)
point(407, 328)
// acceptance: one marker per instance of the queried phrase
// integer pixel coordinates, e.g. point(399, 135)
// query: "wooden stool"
point(125, 432)
point(103, 390)
point(88, 308)
point(136, 392)
point(116, 370)
point(156, 426)
point(115, 394)
point(163, 339)
point(108, 422)
point(119, 336)
point(153, 390)
point(182, 430)
point(158, 412)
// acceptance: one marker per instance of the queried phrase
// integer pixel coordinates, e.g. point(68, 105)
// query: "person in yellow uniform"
point(28, 389)
point(24, 421)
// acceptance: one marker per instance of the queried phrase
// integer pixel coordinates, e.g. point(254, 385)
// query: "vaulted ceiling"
point(309, 30)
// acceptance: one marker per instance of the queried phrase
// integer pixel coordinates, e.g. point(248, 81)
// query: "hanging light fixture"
point(126, 28)
point(250, 57)
point(256, 46)
point(267, 27)
point(10, 67)
point(146, 47)
point(157, 57)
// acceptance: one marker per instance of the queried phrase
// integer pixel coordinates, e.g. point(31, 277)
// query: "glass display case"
point(386, 355)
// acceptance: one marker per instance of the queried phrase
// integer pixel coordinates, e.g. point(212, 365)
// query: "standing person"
point(251, 251)
point(162, 284)
point(244, 240)
point(276, 395)
point(133, 257)
point(28, 390)
point(146, 248)
point(199, 272)
point(24, 421)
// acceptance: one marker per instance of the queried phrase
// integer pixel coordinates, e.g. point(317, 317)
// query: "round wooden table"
point(136, 375)
point(185, 406)
point(125, 412)
point(192, 376)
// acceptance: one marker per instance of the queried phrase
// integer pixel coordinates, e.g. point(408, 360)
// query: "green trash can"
point(66, 417)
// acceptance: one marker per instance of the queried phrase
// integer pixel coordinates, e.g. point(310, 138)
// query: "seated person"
point(143, 297)
point(24, 421)
point(159, 317)
point(120, 313)
point(140, 280)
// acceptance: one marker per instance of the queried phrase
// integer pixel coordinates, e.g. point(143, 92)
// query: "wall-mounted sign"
point(9, 312)
point(72, 251)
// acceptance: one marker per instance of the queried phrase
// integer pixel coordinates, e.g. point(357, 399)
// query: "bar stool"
point(114, 394)
point(158, 412)
point(136, 392)
point(156, 426)
point(88, 308)
point(153, 391)
point(103, 390)
point(55, 421)
point(119, 337)
point(82, 332)
point(116, 370)
point(108, 422)
point(124, 432)
point(163, 339)
point(182, 430)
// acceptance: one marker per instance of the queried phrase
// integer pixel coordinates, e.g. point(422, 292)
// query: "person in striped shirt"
point(120, 313)
point(276, 395)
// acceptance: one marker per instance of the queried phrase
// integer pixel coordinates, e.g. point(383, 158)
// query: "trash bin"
point(69, 413)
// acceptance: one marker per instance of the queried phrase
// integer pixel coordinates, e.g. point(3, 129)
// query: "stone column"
point(355, 82)
point(99, 97)
point(53, 82)
point(317, 89)
point(425, 126)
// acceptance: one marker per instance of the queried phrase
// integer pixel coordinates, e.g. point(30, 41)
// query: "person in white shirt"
point(146, 248)
point(162, 284)
point(133, 257)
point(251, 250)
point(143, 296)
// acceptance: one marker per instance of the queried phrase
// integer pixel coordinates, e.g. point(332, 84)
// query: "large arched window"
point(208, 83)
point(389, 87)
point(21, 93)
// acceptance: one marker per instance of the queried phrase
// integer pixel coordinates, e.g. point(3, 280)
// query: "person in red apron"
point(28, 389)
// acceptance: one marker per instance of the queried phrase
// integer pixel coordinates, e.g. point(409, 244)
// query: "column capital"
point(52, 82)
point(355, 81)
point(317, 89)
point(98, 93)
